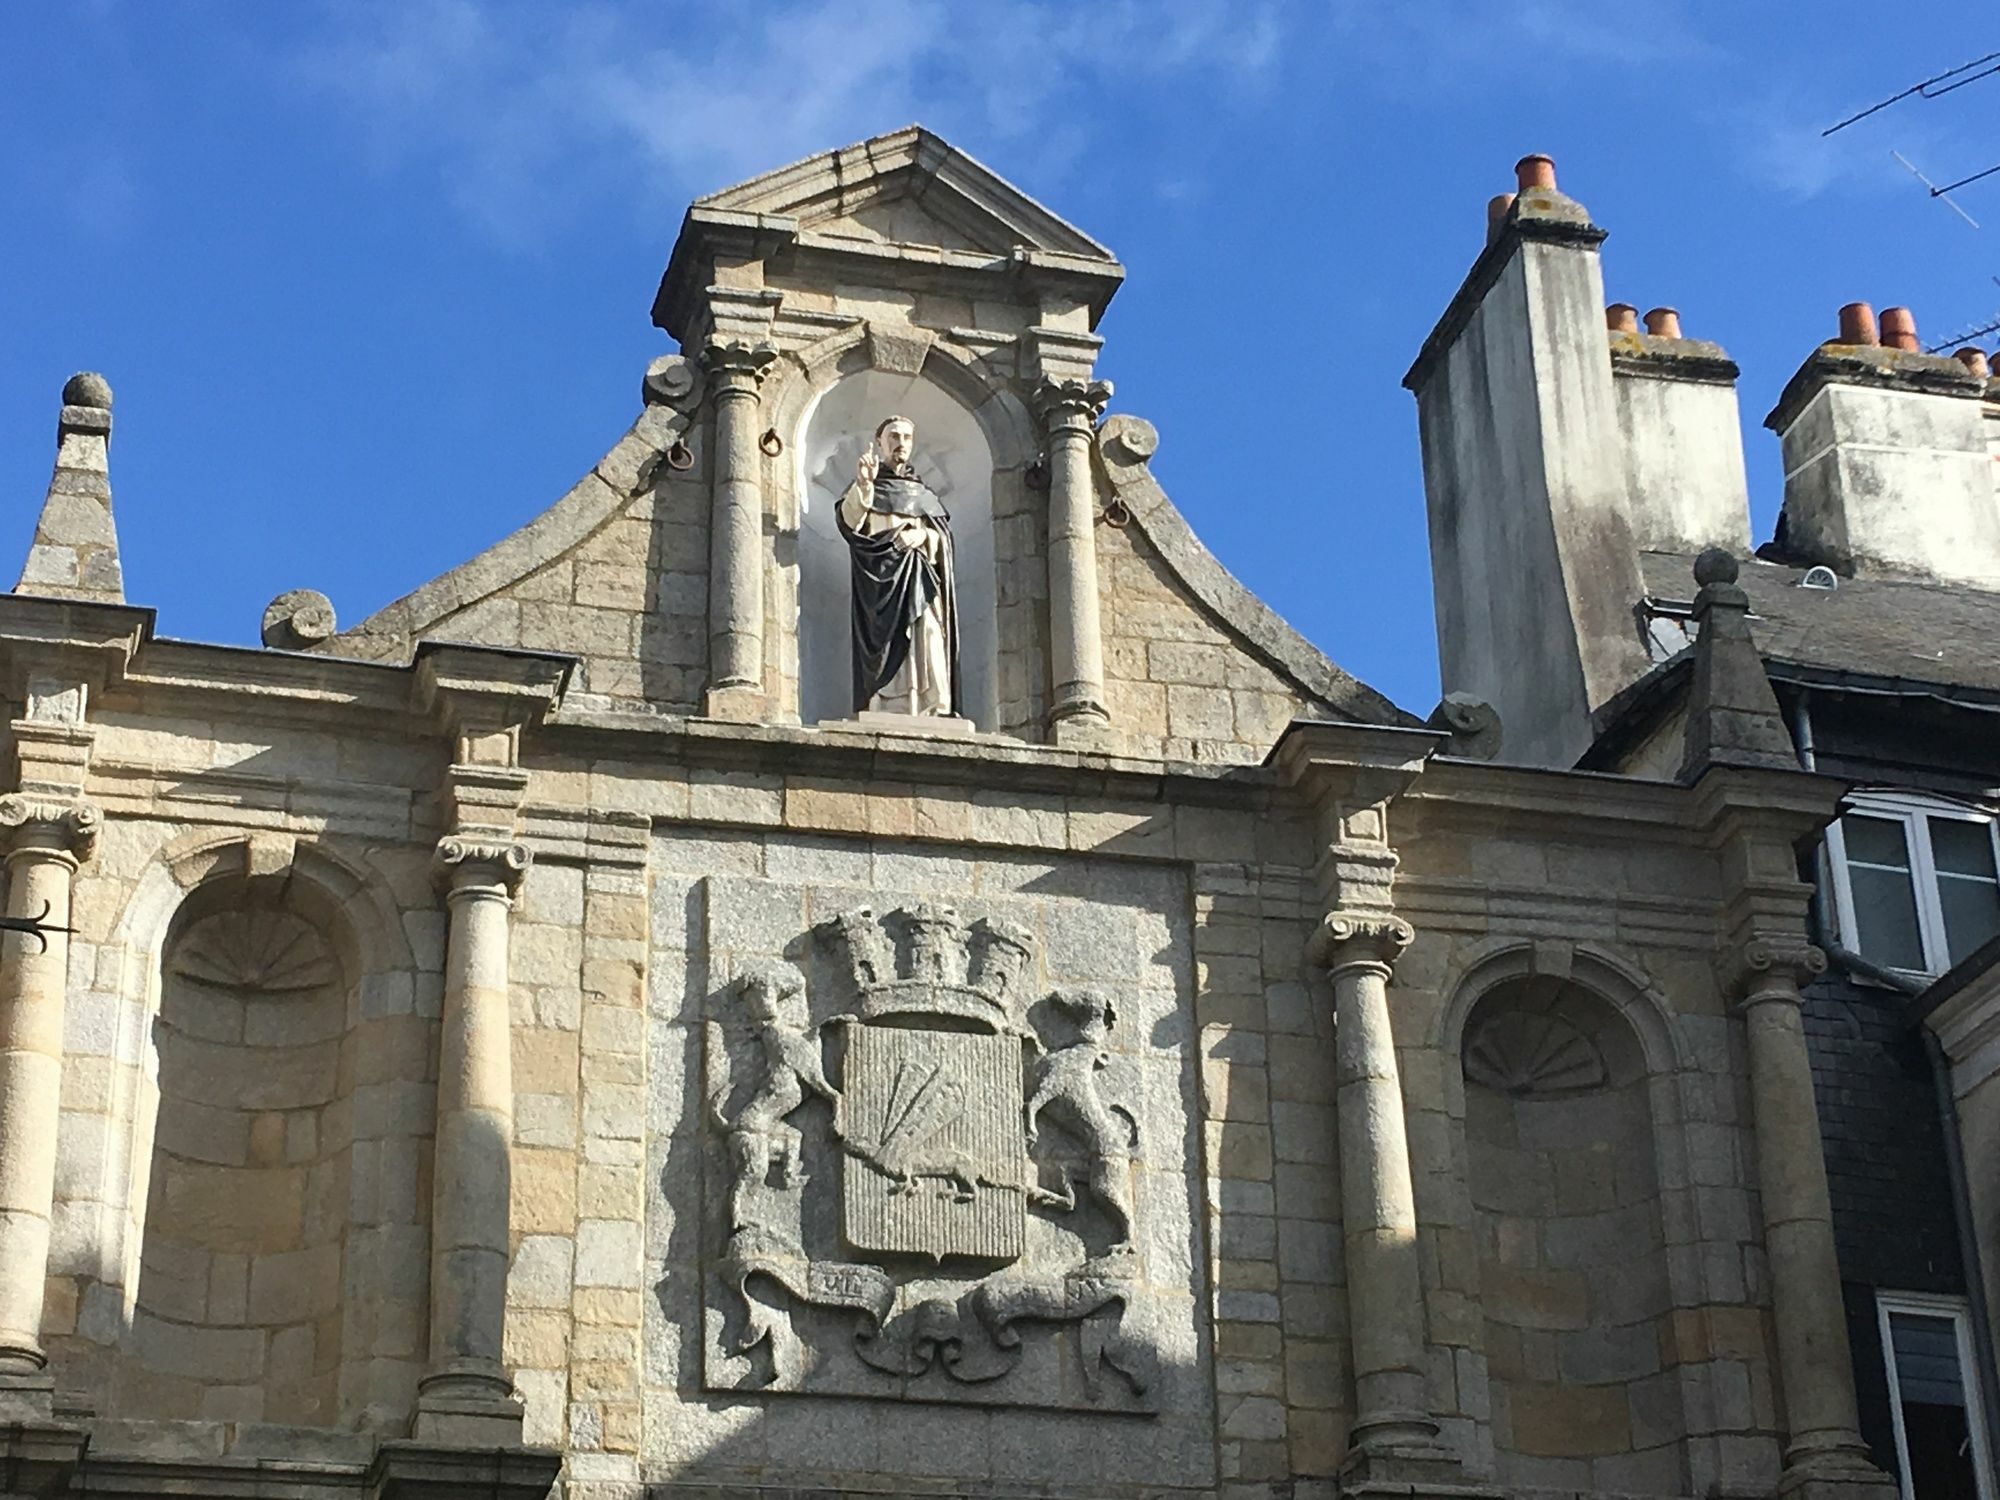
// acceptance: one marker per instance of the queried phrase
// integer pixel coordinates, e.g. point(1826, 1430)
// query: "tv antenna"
point(1967, 335)
point(1935, 87)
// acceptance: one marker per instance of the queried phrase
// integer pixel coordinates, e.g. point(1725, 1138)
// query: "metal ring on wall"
point(1117, 515)
point(771, 443)
point(680, 455)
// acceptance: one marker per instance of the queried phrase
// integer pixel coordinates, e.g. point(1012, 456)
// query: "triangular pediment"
point(908, 187)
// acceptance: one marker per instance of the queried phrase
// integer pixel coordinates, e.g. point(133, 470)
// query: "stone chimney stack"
point(1534, 558)
point(1887, 463)
point(1681, 433)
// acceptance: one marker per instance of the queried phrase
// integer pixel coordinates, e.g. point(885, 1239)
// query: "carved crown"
point(928, 962)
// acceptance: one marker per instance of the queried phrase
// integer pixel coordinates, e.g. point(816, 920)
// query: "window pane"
point(1885, 911)
point(1936, 1425)
point(1962, 848)
point(1876, 841)
point(1971, 912)
point(1926, 1359)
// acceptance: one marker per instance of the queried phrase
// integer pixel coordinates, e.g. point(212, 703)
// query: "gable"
point(908, 187)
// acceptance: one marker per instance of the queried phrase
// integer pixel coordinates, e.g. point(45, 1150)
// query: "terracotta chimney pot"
point(1664, 323)
point(1535, 172)
point(1899, 329)
point(1621, 317)
point(1857, 324)
point(1496, 214)
point(1974, 360)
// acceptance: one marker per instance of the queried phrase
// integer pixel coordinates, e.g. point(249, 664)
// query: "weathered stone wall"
point(614, 573)
point(1181, 688)
point(1647, 1395)
point(667, 861)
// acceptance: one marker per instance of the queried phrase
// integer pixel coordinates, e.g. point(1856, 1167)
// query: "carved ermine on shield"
point(774, 997)
point(1066, 1081)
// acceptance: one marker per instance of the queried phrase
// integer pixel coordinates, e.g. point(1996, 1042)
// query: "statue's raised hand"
point(867, 466)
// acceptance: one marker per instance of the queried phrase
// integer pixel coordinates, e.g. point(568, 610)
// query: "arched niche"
point(1562, 1167)
point(953, 457)
point(280, 1146)
point(238, 1307)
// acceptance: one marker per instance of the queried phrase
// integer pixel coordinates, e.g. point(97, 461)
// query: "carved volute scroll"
point(891, 1165)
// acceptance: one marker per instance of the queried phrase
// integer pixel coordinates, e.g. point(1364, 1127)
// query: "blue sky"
point(371, 281)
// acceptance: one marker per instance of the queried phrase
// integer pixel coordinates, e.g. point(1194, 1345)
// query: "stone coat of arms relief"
point(929, 1193)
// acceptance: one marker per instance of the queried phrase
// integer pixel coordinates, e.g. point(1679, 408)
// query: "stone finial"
point(1732, 713)
point(75, 551)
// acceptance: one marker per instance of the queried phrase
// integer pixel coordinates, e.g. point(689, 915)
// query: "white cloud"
point(530, 112)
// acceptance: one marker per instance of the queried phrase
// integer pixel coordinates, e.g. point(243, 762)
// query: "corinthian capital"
point(1774, 968)
point(1347, 938)
point(463, 861)
point(66, 824)
point(737, 365)
point(1071, 404)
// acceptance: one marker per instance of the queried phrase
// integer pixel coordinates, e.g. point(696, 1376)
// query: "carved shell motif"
point(1525, 1054)
point(268, 951)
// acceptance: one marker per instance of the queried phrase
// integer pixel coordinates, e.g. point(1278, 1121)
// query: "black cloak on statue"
point(893, 588)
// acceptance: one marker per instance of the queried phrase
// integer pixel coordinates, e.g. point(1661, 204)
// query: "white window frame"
point(1914, 813)
point(1959, 1311)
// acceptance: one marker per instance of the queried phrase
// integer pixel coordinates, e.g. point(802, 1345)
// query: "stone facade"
point(509, 1047)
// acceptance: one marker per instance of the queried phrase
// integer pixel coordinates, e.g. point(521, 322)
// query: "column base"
point(469, 1409)
point(27, 1396)
point(1404, 1457)
point(736, 705)
point(38, 1455)
point(1084, 728)
point(1843, 1472)
point(426, 1471)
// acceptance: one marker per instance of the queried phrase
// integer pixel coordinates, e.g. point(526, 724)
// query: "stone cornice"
point(484, 689)
point(1645, 356)
point(88, 640)
point(1876, 368)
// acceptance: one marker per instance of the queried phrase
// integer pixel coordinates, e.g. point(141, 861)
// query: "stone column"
point(736, 532)
point(1385, 1300)
point(1070, 410)
point(1824, 1454)
point(466, 1395)
point(49, 839)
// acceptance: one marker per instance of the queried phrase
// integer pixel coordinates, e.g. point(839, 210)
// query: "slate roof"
point(1921, 632)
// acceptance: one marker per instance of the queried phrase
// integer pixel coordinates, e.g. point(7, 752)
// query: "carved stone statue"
point(905, 609)
point(773, 996)
point(1066, 1083)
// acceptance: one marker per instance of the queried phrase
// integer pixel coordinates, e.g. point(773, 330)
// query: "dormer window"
point(1916, 880)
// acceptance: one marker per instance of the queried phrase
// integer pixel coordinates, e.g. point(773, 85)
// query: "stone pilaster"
point(736, 532)
point(48, 836)
point(1069, 411)
point(466, 1395)
point(1824, 1453)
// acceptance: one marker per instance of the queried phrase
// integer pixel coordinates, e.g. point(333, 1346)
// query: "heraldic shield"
point(935, 1145)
